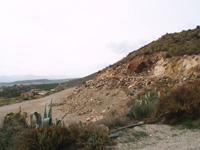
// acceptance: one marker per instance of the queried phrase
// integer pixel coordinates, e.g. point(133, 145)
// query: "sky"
point(78, 37)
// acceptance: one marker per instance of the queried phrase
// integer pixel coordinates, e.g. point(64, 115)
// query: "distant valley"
point(14, 78)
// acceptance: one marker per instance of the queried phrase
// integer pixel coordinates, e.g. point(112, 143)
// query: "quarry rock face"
point(178, 66)
point(145, 69)
point(140, 65)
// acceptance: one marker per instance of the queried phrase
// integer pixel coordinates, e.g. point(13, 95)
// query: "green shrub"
point(183, 101)
point(44, 138)
point(74, 137)
point(143, 108)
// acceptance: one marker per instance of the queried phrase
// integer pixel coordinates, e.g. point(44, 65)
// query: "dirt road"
point(36, 105)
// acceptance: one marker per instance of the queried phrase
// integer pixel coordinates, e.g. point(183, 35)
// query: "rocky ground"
point(158, 137)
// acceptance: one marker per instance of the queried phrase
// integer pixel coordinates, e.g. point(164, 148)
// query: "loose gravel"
point(160, 137)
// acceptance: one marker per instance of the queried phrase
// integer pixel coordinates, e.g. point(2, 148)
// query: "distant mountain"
point(28, 82)
point(14, 78)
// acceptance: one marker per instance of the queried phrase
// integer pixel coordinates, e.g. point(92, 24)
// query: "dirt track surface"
point(37, 104)
point(160, 137)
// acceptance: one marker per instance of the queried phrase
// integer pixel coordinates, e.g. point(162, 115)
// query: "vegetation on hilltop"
point(175, 44)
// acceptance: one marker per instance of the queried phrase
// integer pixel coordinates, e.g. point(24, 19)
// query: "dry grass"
point(183, 101)
point(113, 120)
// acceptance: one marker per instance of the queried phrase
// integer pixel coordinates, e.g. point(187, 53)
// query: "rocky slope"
point(115, 86)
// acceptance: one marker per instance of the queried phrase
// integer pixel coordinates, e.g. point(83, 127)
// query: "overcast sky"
point(79, 37)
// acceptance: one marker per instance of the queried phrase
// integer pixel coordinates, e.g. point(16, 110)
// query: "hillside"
point(166, 63)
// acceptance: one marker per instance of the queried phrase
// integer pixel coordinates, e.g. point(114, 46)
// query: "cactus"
point(47, 119)
point(143, 107)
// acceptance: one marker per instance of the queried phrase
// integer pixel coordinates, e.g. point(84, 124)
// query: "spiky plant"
point(47, 118)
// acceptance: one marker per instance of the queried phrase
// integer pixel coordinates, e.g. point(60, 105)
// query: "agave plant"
point(47, 118)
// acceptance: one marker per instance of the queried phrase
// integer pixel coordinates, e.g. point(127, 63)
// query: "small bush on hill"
point(181, 102)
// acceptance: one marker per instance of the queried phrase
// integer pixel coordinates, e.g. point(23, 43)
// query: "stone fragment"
point(103, 126)
point(88, 119)
point(18, 111)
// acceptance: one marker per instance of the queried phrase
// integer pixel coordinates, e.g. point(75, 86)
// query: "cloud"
point(76, 38)
point(125, 47)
